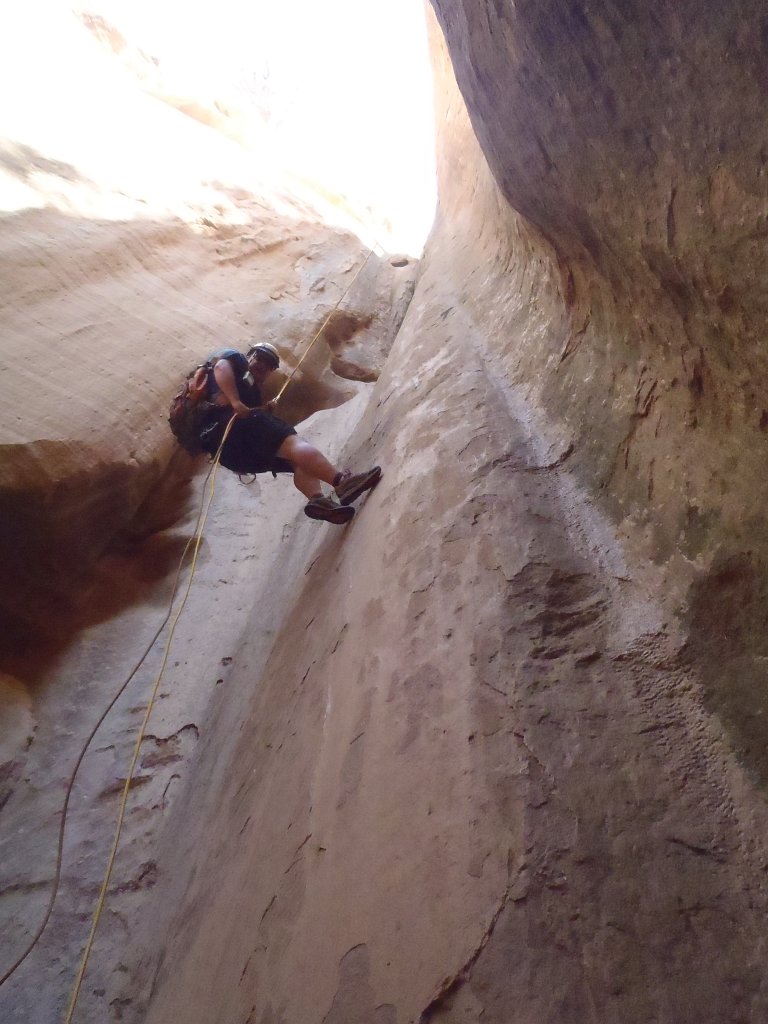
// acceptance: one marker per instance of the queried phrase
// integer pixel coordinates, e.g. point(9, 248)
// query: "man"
point(260, 442)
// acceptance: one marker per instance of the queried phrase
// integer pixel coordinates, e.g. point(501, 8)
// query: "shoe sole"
point(337, 516)
point(366, 485)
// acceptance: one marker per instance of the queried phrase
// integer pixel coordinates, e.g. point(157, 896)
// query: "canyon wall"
point(513, 769)
point(133, 242)
point(630, 142)
point(496, 751)
point(616, 247)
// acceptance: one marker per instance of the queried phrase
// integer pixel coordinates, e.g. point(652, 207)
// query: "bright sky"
point(348, 83)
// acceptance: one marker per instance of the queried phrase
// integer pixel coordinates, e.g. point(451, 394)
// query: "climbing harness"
point(194, 543)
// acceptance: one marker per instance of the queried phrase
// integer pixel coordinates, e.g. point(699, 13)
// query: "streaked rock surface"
point(496, 751)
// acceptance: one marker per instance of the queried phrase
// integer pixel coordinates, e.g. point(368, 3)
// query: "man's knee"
point(288, 447)
point(294, 447)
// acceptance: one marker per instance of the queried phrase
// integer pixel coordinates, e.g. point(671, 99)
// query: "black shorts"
point(252, 443)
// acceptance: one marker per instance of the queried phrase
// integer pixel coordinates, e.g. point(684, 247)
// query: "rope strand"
point(195, 541)
point(140, 739)
point(324, 324)
point(91, 735)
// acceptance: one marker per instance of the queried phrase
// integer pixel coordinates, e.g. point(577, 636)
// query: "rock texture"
point(103, 329)
point(87, 485)
point(496, 751)
point(642, 211)
point(122, 268)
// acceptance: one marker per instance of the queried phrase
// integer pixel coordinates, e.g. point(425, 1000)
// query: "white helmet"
point(263, 350)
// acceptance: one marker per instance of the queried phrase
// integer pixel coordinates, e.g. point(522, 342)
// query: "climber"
point(260, 442)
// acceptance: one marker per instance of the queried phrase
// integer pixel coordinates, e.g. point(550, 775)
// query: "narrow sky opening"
point(338, 92)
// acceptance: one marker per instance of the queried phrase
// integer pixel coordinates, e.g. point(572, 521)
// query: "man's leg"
point(310, 467)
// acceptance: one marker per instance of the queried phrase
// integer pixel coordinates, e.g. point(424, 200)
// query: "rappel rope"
point(202, 517)
point(324, 324)
point(193, 542)
point(73, 775)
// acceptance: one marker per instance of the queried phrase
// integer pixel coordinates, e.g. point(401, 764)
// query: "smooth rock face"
point(631, 141)
point(139, 244)
point(496, 750)
point(135, 242)
point(488, 783)
point(101, 332)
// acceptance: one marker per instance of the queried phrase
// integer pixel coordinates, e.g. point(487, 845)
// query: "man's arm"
point(225, 378)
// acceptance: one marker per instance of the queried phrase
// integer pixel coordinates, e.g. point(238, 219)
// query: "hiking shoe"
point(351, 486)
point(328, 510)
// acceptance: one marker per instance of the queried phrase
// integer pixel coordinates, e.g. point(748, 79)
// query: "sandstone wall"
point(132, 243)
point(490, 782)
point(615, 246)
point(95, 499)
point(499, 754)
point(630, 143)
point(97, 337)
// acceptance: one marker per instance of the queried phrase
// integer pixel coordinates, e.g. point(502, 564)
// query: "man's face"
point(259, 367)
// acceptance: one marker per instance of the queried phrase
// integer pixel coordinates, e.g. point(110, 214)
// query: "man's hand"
point(225, 378)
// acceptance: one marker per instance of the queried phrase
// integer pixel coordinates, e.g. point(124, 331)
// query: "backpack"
point(189, 410)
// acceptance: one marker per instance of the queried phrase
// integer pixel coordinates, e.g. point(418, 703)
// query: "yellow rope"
point(195, 539)
point(73, 774)
point(153, 696)
point(324, 324)
point(140, 739)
